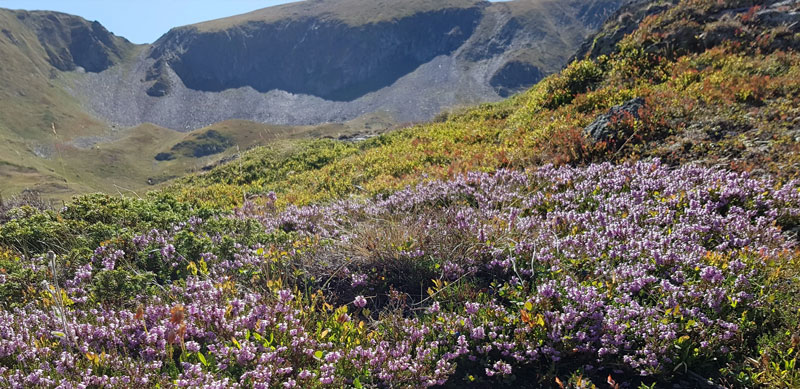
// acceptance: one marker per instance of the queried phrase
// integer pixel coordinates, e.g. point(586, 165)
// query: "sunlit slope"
point(727, 98)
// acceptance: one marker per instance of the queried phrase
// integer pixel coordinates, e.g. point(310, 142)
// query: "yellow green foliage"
point(712, 105)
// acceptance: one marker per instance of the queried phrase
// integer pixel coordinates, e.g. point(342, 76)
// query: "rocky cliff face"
point(328, 59)
point(528, 40)
point(334, 60)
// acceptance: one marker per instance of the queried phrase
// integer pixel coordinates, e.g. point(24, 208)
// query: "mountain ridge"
point(354, 13)
point(340, 80)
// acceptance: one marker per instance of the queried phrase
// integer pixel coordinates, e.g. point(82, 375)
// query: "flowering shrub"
point(637, 270)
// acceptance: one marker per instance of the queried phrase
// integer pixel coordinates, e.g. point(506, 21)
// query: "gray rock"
point(602, 130)
point(515, 76)
point(781, 13)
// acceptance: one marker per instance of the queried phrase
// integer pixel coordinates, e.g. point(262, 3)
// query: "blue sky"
point(143, 21)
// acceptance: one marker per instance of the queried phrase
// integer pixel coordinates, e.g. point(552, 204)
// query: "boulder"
point(603, 129)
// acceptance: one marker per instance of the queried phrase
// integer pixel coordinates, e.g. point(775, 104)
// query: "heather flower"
point(358, 279)
point(304, 374)
point(548, 290)
point(360, 301)
point(711, 274)
point(192, 346)
point(502, 368)
point(285, 295)
point(333, 357)
point(616, 264)
point(472, 308)
point(168, 251)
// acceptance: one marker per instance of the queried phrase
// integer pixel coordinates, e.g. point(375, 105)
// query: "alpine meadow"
point(405, 194)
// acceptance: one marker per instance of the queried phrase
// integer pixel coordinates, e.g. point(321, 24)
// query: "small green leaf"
point(357, 383)
point(202, 359)
point(318, 355)
point(528, 306)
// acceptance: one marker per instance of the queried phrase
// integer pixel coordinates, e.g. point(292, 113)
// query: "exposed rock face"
point(334, 60)
point(513, 76)
point(71, 41)
point(327, 59)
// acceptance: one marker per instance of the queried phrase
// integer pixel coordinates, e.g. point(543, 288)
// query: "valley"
point(86, 110)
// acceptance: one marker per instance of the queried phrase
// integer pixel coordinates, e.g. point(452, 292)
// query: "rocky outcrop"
point(521, 35)
point(605, 129)
point(699, 31)
point(71, 41)
point(201, 145)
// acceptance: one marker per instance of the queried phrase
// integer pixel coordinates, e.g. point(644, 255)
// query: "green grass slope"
point(38, 117)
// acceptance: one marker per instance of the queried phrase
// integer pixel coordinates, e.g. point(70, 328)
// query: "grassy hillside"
point(50, 144)
point(106, 163)
point(631, 221)
point(54, 146)
point(41, 124)
point(32, 104)
point(33, 101)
